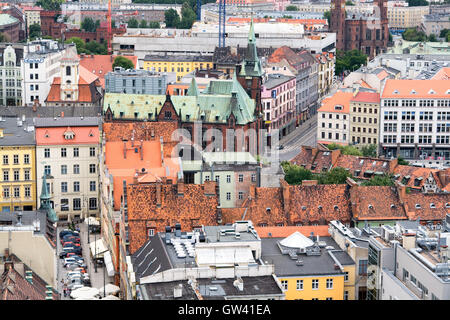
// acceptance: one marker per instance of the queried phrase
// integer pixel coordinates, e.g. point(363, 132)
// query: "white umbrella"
point(110, 297)
point(87, 298)
point(84, 292)
point(109, 288)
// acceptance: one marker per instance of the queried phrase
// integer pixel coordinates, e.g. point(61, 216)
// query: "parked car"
point(70, 239)
point(72, 244)
point(67, 231)
point(72, 266)
point(79, 269)
point(76, 250)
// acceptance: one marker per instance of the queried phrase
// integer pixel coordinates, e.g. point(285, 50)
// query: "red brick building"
point(368, 33)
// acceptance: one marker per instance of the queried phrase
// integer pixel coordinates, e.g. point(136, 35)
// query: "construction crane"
point(222, 18)
point(108, 21)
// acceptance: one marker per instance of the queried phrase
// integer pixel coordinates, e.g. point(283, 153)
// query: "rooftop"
point(401, 89)
point(274, 80)
point(339, 103)
point(16, 132)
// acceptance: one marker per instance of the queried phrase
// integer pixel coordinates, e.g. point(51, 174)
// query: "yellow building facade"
point(181, 65)
point(328, 287)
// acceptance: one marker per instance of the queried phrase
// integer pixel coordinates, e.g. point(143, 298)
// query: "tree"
point(123, 62)
point(369, 150)
point(346, 150)
point(3, 37)
point(35, 31)
point(50, 5)
point(188, 17)
point(349, 3)
point(79, 43)
point(384, 180)
point(133, 23)
point(327, 15)
point(154, 25)
point(336, 175)
point(416, 3)
point(349, 60)
point(402, 161)
point(143, 24)
point(96, 48)
point(171, 18)
point(88, 25)
point(291, 8)
point(295, 174)
point(444, 33)
point(432, 38)
point(390, 37)
point(412, 34)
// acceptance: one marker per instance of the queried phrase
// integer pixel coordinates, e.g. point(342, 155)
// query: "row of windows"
point(365, 120)
point(76, 204)
point(330, 136)
point(76, 169)
point(330, 125)
point(76, 186)
point(16, 175)
point(363, 140)
point(416, 103)
point(330, 116)
point(26, 159)
point(369, 130)
point(315, 284)
point(16, 192)
point(421, 139)
point(240, 178)
point(365, 110)
point(76, 152)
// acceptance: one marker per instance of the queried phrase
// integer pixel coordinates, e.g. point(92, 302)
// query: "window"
point(92, 185)
point(345, 295)
point(299, 284)
point(63, 169)
point(5, 159)
point(207, 178)
point(151, 232)
point(47, 170)
point(241, 178)
point(76, 204)
point(92, 151)
point(16, 192)
point(329, 283)
point(63, 152)
point(92, 168)
point(63, 187)
point(228, 195)
point(362, 267)
point(346, 276)
point(6, 192)
point(64, 204)
point(405, 274)
point(228, 178)
point(26, 174)
point(92, 203)
point(284, 285)
point(253, 177)
point(46, 153)
point(5, 175)
point(76, 186)
point(68, 71)
point(329, 298)
point(16, 175)
point(76, 169)
point(16, 159)
point(27, 191)
point(26, 159)
point(315, 284)
point(76, 152)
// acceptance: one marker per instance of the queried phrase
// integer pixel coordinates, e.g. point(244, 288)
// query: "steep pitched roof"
point(251, 66)
point(13, 286)
point(340, 98)
point(427, 206)
point(400, 89)
point(415, 177)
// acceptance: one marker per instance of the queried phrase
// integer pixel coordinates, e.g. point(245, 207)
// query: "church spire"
point(193, 89)
point(251, 66)
point(45, 201)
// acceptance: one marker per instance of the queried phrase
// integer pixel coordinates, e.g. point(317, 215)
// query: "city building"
point(227, 256)
point(278, 100)
point(11, 74)
point(356, 30)
point(67, 151)
point(41, 64)
point(135, 81)
point(370, 79)
point(32, 15)
point(181, 64)
point(364, 118)
point(310, 268)
point(326, 62)
point(434, 23)
point(18, 166)
point(414, 119)
point(408, 262)
point(402, 17)
point(10, 27)
point(419, 47)
point(333, 119)
point(75, 86)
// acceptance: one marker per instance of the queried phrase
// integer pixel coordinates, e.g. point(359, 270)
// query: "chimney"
point(62, 114)
point(286, 195)
point(111, 58)
point(180, 186)
point(401, 189)
point(392, 164)
point(124, 149)
point(135, 178)
point(409, 240)
point(178, 291)
point(239, 284)
point(258, 176)
point(351, 182)
point(158, 194)
point(34, 107)
point(252, 192)
point(335, 155)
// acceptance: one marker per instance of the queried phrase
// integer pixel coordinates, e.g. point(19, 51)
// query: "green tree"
point(369, 150)
point(349, 3)
point(412, 34)
point(432, 38)
point(416, 3)
point(143, 24)
point(35, 31)
point(390, 37)
point(402, 161)
point(336, 175)
point(123, 62)
point(384, 180)
point(154, 25)
point(188, 17)
point(79, 43)
point(444, 33)
point(88, 25)
point(50, 5)
point(295, 174)
point(133, 23)
point(171, 18)
point(349, 60)
point(96, 48)
point(327, 15)
point(3, 37)
point(291, 8)
point(347, 150)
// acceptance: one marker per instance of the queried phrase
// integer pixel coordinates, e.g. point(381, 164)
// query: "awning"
point(109, 263)
point(92, 221)
point(98, 247)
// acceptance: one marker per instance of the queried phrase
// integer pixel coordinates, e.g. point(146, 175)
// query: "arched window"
point(68, 71)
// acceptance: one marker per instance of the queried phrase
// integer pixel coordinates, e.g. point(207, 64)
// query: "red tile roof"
point(358, 166)
point(417, 176)
point(339, 98)
point(443, 74)
point(369, 97)
point(427, 206)
point(286, 231)
point(13, 286)
point(432, 89)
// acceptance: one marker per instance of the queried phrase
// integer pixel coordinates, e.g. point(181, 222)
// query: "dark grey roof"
point(15, 135)
point(275, 80)
point(343, 257)
point(164, 291)
point(50, 112)
point(312, 265)
point(28, 218)
point(205, 58)
point(67, 121)
point(150, 258)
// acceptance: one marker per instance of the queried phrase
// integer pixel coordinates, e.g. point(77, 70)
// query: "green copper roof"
point(215, 104)
point(44, 192)
point(251, 66)
point(193, 89)
point(45, 203)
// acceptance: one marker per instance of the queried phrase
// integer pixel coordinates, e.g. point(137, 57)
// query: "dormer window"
point(447, 205)
point(336, 207)
point(395, 91)
point(432, 205)
point(370, 206)
point(392, 206)
point(431, 91)
point(91, 134)
point(413, 91)
point(338, 107)
point(319, 207)
point(69, 135)
point(268, 210)
point(303, 208)
point(418, 206)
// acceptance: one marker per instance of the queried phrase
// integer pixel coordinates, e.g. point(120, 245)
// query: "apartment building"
point(402, 17)
point(18, 166)
point(414, 119)
point(32, 15)
point(326, 62)
point(135, 81)
point(434, 23)
point(11, 74)
point(278, 99)
point(41, 64)
point(364, 118)
point(333, 120)
point(67, 152)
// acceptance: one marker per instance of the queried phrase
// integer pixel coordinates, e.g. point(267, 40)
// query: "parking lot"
point(97, 279)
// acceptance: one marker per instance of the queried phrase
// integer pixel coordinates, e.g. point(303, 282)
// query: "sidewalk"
point(300, 130)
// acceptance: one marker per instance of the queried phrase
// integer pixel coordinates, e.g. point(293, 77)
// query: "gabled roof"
point(427, 206)
point(415, 177)
point(339, 103)
point(287, 54)
point(400, 89)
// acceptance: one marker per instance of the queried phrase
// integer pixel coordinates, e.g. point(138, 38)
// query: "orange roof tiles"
point(365, 164)
point(286, 231)
point(395, 88)
point(427, 206)
point(443, 74)
point(369, 97)
point(365, 84)
point(55, 136)
point(338, 99)
point(382, 74)
point(417, 176)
